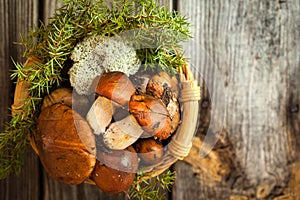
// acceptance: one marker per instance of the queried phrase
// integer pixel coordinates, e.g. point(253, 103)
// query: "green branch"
point(145, 188)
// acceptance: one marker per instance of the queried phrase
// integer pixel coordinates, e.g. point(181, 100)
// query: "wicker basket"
point(181, 141)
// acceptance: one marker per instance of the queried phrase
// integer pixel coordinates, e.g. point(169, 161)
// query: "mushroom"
point(120, 112)
point(146, 135)
point(115, 171)
point(60, 95)
point(121, 134)
point(79, 103)
point(65, 141)
point(115, 86)
point(140, 82)
point(166, 88)
point(149, 150)
point(151, 114)
point(100, 114)
point(159, 83)
point(174, 111)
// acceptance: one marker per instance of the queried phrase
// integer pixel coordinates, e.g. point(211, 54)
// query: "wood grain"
point(246, 55)
point(255, 46)
point(26, 184)
point(17, 17)
point(169, 4)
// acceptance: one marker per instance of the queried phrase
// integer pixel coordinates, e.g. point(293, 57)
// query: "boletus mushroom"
point(122, 133)
point(79, 103)
point(65, 144)
point(151, 114)
point(115, 86)
point(165, 87)
point(100, 114)
point(149, 150)
point(115, 171)
point(60, 95)
point(174, 112)
point(161, 82)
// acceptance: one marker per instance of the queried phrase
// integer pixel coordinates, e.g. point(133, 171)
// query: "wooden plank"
point(5, 83)
point(167, 3)
point(24, 185)
point(17, 16)
point(48, 9)
point(293, 99)
point(255, 46)
point(52, 189)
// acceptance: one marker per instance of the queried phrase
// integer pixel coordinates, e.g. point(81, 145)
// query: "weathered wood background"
point(252, 69)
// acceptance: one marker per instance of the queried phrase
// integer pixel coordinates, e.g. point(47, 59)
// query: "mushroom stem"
point(122, 134)
point(100, 114)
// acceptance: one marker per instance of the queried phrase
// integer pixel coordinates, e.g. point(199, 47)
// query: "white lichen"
point(84, 48)
point(95, 55)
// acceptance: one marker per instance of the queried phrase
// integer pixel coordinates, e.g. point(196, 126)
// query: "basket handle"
point(20, 95)
point(181, 142)
point(21, 90)
point(190, 95)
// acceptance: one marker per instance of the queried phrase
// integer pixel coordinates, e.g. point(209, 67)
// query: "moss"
point(97, 54)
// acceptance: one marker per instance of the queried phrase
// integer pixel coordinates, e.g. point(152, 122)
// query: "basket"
point(181, 141)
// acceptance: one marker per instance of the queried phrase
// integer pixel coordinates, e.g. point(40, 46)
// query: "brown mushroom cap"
point(121, 175)
point(66, 144)
point(158, 83)
point(140, 81)
point(60, 95)
point(149, 151)
point(115, 86)
point(151, 114)
point(79, 103)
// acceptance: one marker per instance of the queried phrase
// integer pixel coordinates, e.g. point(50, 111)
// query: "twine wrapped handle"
point(190, 95)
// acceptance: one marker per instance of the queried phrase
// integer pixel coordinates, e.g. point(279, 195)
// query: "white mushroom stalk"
point(100, 114)
point(122, 134)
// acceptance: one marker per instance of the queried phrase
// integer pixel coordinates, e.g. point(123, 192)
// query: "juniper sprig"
point(155, 188)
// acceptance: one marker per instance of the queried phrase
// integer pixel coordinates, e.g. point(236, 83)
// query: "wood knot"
point(265, 188)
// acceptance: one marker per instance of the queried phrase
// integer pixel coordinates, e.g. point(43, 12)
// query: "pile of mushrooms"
point(107, 137)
